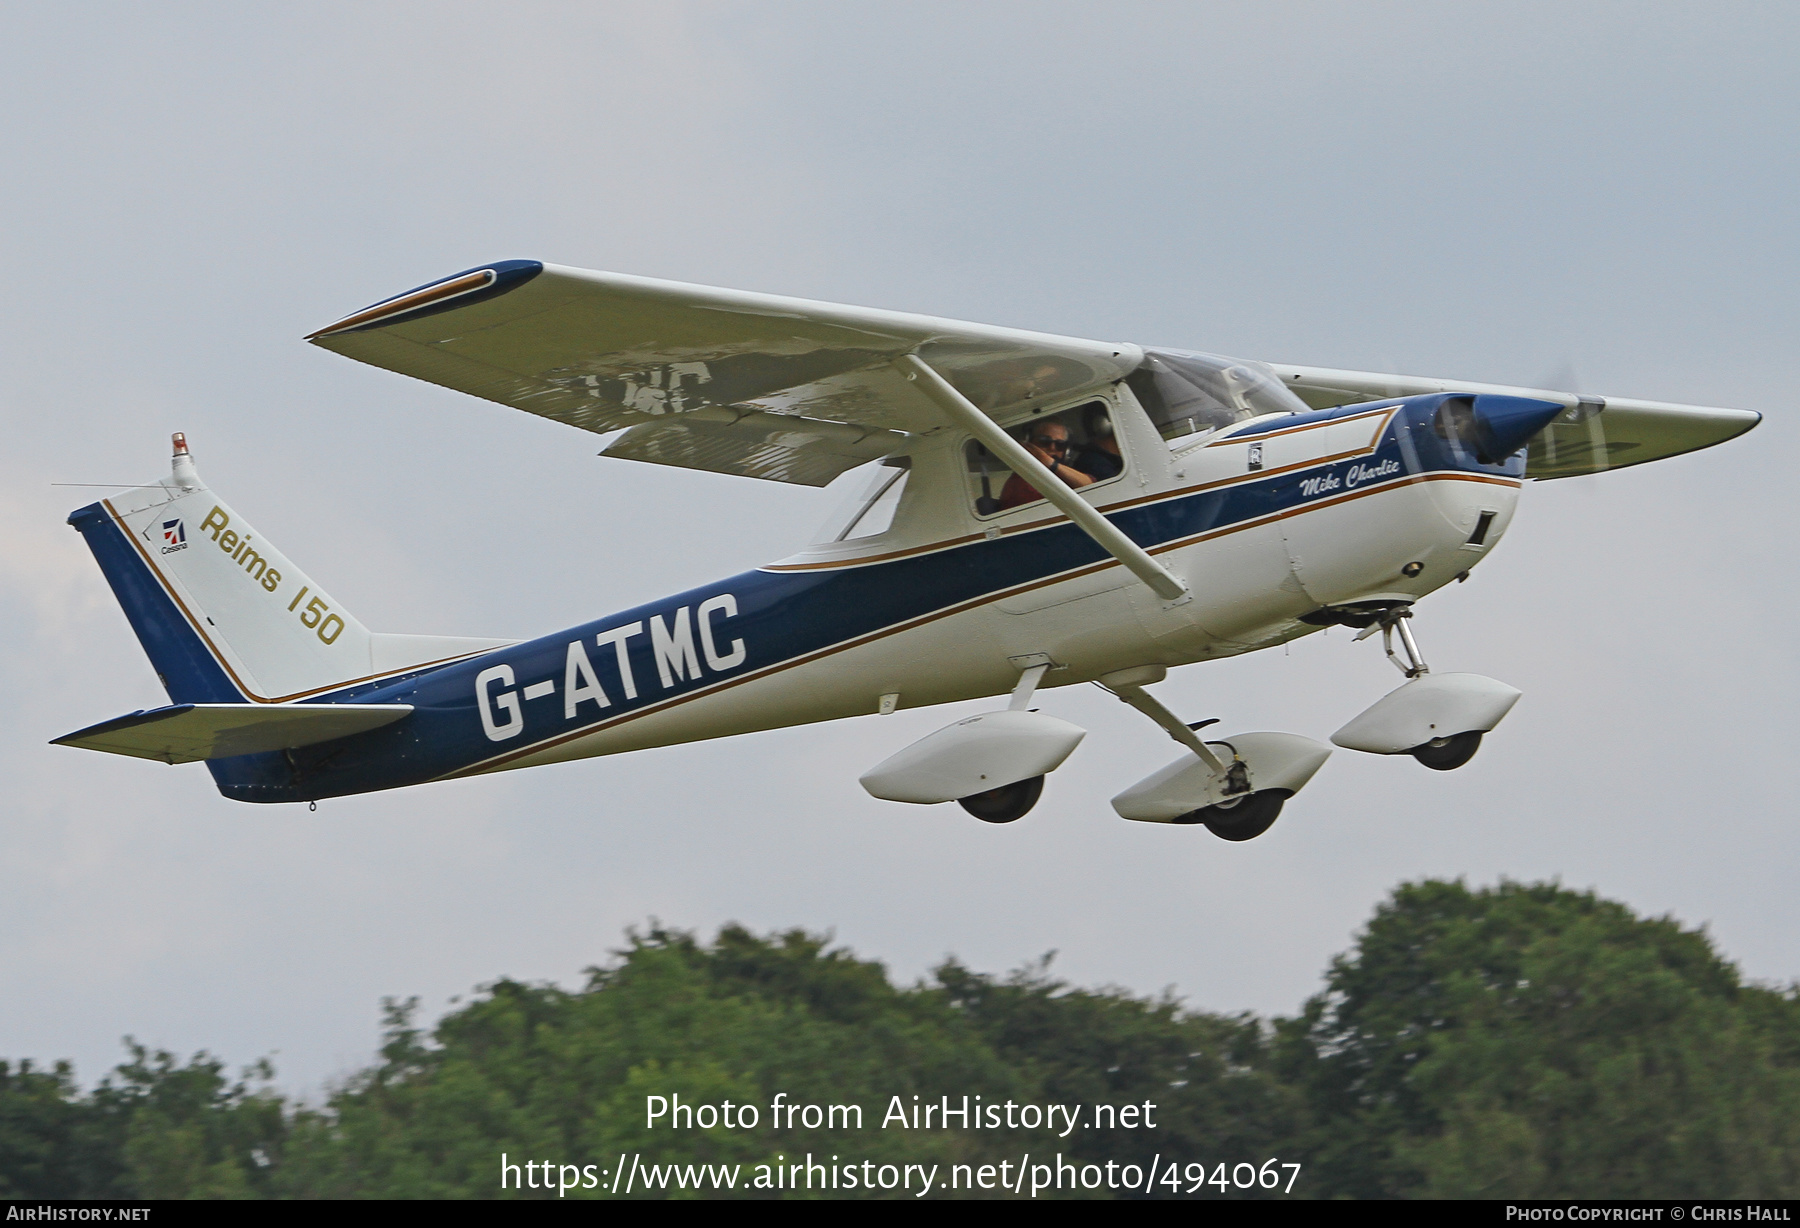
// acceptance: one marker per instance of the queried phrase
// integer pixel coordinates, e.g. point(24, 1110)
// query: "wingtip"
point(459, 289)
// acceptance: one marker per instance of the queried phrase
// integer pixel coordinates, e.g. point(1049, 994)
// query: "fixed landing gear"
point(991, 764)
point(1441, 754)
point(1438, 719)
point(1011, 802)
point(1241, 818)
point(1234, 787)
point(1005, 804)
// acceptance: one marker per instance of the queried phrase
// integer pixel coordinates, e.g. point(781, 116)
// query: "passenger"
point(1049, 442)
point(1100, 459)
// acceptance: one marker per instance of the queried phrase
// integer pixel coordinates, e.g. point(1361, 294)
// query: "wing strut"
point(1013, 454)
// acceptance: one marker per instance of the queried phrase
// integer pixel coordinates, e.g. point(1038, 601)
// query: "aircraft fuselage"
point(1268, 523)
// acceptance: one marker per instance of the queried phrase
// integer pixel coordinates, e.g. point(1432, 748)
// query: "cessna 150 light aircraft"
point(1038, 511)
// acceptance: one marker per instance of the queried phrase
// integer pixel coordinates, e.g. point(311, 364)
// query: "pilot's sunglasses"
point(1052, 445)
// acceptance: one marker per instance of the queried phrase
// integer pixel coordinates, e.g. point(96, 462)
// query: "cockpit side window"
point(1079, 445)
point(1187, 393)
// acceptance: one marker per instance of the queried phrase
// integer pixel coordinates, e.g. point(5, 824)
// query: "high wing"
point(753, 384)
point(1597, 433)
point(793, 390)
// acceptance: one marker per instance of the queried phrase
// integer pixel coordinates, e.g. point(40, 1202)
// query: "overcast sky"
point(1508, 192)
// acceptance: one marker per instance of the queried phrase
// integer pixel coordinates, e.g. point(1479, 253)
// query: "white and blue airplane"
point(1038, 511)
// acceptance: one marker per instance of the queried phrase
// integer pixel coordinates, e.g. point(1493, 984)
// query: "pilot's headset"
point(1098, 422)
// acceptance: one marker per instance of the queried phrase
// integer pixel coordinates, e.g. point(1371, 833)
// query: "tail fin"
point(224, 616)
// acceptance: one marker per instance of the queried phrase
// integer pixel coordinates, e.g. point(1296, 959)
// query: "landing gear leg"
point(1129, 684)
point(1243, 814)
point(1445, 752)
point(1390, 621)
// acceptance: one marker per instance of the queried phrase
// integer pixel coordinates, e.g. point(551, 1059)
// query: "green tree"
point(54, 1142)
point(1530, 1041)
point(545, 1074)
point(189, 1131)
point(540, 1073)
point(153, 1128)
point(1514, 1041)
point(1208, 1075)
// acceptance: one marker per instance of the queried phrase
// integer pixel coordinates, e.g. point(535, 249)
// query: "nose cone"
point(1494, 426)
point(1508, 423)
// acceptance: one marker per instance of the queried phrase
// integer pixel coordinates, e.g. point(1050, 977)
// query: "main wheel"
point(1448, 754)
point(1006, 803)
point(1241, 818)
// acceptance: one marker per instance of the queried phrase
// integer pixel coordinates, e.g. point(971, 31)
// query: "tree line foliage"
point(1517, 1041)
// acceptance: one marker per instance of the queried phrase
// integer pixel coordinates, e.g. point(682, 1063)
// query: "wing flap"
point(188, 733)
point(776, 447)
point(1595, 434)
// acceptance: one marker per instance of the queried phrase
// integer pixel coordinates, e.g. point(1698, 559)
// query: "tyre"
point(1448, 754)
point(1242, 818)
point(1005, 804)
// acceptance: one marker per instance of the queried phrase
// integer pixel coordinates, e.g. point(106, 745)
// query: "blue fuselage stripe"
point(186, 666)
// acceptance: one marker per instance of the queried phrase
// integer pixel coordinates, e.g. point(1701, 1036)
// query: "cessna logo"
point(174, 536)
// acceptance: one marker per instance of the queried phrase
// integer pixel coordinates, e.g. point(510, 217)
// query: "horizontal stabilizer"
point(188, 733)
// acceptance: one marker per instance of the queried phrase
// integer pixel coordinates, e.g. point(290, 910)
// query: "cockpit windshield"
point(1186, 393)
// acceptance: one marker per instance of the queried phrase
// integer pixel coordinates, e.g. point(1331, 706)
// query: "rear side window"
point(870, 509)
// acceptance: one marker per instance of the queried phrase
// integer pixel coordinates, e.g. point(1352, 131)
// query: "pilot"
point(1049, 442)
point(1100, 459)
